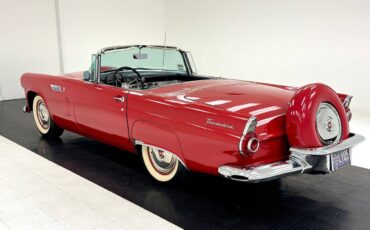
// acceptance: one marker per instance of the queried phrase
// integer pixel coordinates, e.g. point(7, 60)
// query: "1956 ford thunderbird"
point(149, 100)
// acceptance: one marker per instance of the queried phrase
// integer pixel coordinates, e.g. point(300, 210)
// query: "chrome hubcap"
point(328, 123)
point(164, 162)
point(43, 115)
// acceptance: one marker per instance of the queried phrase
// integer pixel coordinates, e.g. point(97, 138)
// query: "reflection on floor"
point(334, 201)
point(38, 194)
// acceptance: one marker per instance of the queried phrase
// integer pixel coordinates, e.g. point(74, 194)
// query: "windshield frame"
point(184, 56)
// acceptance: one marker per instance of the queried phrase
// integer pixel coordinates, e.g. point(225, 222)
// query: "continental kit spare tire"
point(316, 117)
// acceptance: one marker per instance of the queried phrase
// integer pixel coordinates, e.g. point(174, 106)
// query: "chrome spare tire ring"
point(328, 124)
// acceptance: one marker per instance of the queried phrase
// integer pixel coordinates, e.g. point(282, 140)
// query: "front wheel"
point(162, 165)
point(43, 120)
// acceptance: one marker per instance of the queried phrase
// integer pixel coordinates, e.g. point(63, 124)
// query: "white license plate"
point(340, 159)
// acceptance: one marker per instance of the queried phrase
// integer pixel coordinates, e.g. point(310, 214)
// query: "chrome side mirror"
point(87, 76)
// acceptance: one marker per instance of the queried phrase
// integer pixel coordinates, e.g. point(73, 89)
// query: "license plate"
point(340, 159)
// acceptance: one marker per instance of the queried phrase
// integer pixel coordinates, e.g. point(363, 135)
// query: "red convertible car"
point(149, 100)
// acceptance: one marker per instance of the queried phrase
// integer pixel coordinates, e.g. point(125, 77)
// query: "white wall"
point(89, 25)
point(28, 42)
point(286, 42)
point(29, 34)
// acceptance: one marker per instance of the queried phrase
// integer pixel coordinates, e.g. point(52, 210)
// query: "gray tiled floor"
point(38, 194)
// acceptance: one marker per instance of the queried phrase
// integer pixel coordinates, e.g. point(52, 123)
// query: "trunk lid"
point(244, 98)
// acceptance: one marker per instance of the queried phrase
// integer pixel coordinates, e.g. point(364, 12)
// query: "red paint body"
point(175, 117)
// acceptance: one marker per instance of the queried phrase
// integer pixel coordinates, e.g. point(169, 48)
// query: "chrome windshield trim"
point(97, 66)
point(353, 140)
point(247, 129)
point(112, 48)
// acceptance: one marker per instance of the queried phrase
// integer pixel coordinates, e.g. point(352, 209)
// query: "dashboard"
point(148, 85)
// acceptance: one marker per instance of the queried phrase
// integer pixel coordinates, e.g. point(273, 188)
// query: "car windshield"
point(152, 58)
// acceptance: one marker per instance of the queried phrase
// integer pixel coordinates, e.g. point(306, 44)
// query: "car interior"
point(141, 79)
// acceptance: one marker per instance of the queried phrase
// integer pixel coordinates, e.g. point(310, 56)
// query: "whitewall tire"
point(43, 120)
point(161, 165)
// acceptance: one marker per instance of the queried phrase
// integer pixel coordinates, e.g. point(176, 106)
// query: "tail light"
point(249, 142)
point(253, 144)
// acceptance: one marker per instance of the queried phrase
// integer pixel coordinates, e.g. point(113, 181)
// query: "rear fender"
point(151, 134)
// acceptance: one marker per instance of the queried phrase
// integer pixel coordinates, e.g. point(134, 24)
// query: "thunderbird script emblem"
point(220, 124)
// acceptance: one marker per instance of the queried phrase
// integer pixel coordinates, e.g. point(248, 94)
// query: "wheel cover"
point(163, 162)
point(328, 124)
point(43, 115)
point(162, 165)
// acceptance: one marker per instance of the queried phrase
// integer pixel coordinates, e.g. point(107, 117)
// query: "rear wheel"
point(43, 120)
point(162, 165)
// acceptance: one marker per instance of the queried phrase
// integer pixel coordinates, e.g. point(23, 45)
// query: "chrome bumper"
point(300, 161)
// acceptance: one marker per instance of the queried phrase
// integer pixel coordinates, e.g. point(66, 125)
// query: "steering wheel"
point(116, 73)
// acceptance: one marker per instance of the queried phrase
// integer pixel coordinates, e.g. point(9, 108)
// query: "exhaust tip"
point(239, 178)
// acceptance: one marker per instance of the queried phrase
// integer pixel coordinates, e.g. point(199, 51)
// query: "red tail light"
point(253, 144)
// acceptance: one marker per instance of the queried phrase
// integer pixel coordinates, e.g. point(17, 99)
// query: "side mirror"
point(87, 76)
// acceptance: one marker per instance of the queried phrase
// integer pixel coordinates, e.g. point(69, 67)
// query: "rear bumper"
point(300, 161)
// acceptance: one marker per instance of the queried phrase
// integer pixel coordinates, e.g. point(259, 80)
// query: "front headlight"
point(328, 124)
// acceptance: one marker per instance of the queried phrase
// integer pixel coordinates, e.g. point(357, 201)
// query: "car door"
point(100, 112)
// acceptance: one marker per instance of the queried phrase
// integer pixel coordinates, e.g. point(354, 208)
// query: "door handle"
point(119, 99)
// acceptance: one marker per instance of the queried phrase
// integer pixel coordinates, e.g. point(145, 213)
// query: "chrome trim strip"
point(353, 140)
point(56, 88)
point(246, 130)
point(138, 142)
